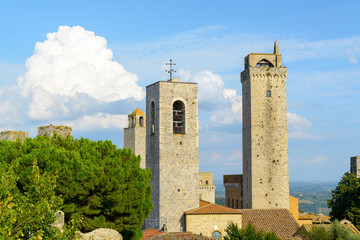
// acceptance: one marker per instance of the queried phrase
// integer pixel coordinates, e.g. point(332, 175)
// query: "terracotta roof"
point(315, 218)
point(327, 227)
point(178, 236)
point(279, 221)
point(150, 232)
point(212, 208)
point(137, 111)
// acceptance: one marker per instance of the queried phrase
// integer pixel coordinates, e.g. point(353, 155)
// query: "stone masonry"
point(51, 130)
point(135, 135)
point(265, 142)
point(172, 152)
point(206, 187)
point(355, 166)
point(14, 135)
point(233, 191)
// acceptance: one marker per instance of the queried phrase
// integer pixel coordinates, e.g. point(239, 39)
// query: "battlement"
point(51, 130)
point(14, 135)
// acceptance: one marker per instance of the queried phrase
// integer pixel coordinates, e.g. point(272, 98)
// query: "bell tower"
point(265, 141)
point(172, 152)
point(135, 135)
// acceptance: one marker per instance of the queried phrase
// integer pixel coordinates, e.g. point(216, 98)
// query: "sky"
point(86, 64)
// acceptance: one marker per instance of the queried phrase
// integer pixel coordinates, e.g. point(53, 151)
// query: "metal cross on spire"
point(171, 70)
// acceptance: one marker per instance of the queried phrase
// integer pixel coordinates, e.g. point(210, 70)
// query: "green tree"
point(98, 182)
point(249, 233)
point(345, 201)
point(337, 231)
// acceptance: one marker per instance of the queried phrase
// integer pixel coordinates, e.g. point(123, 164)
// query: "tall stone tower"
point(135, 135)
point(265, 141)
point(355, 166)
point(172, 152)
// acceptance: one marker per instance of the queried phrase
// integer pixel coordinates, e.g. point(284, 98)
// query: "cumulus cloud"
point(99, 121)
point(297, 126)
point(70, 62)
point(224, 104)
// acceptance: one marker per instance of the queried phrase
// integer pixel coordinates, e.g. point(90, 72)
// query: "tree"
point(337, 231)
point(345, 201)
point(249, 233)
point(98, 182)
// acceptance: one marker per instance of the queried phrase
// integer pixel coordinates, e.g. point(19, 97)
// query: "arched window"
point(237, 204)
point(216, 234)
point(232, 203)
point(264, 63)
point(207, 182)
point(228, 202)
point(141, 121)
point(133, 121)
point(178, 117)
point(152, 118)
point(268, 93)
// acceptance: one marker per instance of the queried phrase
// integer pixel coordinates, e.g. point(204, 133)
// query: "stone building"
point(355, 166)
point(51, 130)
point(206, 187)
point(172, 152)
point(135, 135)
point(233, 191)
point(14, 135)
point(265, 142)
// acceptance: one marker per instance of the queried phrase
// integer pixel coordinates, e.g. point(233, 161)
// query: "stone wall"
point(14, 135)
point(206, 224)
point(172, 158)
point(135, 139)
point(51, 130)
point(233, 191)
point(355, 166)
point(265, 143)
point(206, 187)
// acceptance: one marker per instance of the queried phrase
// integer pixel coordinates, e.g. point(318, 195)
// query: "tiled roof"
point(137, 111)
point(150, 232)
point(315, 218)
point(178, 236)
point(327, 227)
point(212, 208)
point(279, 221)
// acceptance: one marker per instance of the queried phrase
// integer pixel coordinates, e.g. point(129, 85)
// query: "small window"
point(232, 203)
point(207, 182)
point(237, 204)
point(178, 117)
point(228, 202)
point(152, 118)
point(133, 121)
point(141, 121)
point(268, 93)
point(216, 234)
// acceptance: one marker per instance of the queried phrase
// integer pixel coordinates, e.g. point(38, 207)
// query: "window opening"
point(141, 121)
point(232, 203)
point(207, 182)
point(133, 121)
point(264, 63)
point(228, 202)
point(178, 117)
point(268, 93)
point(216, 234)
point(152, 118)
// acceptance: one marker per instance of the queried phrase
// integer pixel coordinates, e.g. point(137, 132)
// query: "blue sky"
point(93, 67)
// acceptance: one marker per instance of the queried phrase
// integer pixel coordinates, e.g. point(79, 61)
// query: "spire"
point(276, 48)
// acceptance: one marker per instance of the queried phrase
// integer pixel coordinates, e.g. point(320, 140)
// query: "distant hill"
point(312, 195)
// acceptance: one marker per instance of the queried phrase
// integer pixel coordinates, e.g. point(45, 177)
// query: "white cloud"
point(74, 61)
point(223, 103)
point(99, 121)
point(297, 126)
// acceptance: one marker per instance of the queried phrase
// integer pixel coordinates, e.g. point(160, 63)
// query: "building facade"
point(135, 135)
point(206, 187)
point(172, 152)
point(265, 141)
point(233, 191)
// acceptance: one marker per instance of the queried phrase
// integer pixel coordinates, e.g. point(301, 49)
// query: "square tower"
point(355, 166)
point(135, 135)
point(265, 141)
point(172, 152)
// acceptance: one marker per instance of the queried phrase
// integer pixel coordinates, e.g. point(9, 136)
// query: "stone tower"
point(135, 135)
point(172, 152)
point(51, 130)
point(14, 135)
point(355, 166)
point(265, 141)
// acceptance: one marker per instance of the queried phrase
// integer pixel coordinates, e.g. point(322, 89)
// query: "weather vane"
point(171, 70)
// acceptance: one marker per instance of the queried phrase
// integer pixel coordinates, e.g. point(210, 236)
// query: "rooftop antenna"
point(171, 70)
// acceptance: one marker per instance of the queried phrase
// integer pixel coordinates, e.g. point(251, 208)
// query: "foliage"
point(29, 215)
point(337, 232)
point(249, 233)
point(345, 201)
point(99, 183)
